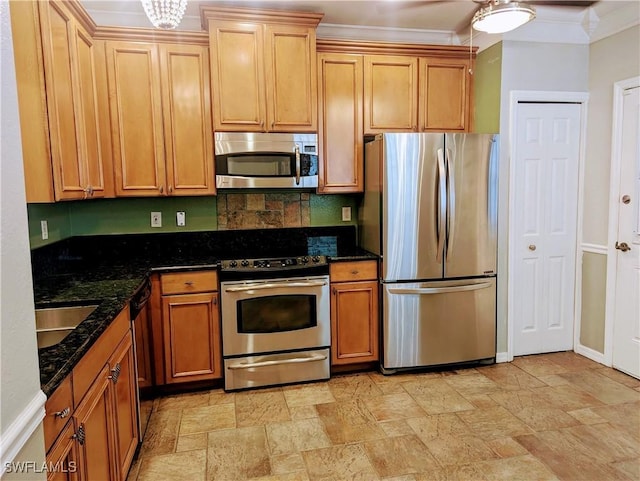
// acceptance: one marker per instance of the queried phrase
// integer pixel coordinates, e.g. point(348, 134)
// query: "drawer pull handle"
point(355, 272)
point(188, 283)
point(80, 435)
point(62, 414)
point(115, 373)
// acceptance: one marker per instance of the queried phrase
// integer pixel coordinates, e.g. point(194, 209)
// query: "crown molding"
point(386, 34)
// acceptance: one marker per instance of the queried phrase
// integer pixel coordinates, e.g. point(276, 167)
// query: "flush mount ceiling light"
point(165, 14)
point(499, 16)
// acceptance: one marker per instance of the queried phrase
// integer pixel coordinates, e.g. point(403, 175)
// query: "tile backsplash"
point(263, 210)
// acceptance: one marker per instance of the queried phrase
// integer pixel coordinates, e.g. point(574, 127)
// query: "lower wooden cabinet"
point(185, 319)
point(354, 313)
point(100, 436)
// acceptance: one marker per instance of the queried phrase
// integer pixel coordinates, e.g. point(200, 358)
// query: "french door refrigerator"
point(430, 212)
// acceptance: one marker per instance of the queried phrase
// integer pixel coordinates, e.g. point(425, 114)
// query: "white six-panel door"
point(543, 237)
point(626, 322)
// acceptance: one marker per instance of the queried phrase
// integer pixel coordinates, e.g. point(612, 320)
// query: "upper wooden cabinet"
point(160, 118)
point(58, 86)
point(445, 91)
point(390, 94)
point(263, 66)
point(340, 94)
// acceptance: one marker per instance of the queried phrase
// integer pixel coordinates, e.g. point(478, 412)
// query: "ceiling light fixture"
point(499, 16)
point(165, 14)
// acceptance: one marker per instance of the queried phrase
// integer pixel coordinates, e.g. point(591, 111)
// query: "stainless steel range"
point(275, 321)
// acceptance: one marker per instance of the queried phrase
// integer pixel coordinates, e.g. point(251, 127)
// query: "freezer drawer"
point(442, 322)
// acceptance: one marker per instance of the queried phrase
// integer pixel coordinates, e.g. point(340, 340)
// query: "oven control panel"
point(273, 264)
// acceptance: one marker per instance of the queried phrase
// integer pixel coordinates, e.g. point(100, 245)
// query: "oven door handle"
point(294, 360)
point(274, 285)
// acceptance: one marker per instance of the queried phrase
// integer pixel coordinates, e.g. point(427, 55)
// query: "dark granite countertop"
point(107, 271)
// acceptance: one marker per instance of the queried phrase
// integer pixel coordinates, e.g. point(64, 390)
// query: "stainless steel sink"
point(54, 324)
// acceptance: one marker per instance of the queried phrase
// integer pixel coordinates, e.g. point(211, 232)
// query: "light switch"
point(181, 219)
point(346, 214)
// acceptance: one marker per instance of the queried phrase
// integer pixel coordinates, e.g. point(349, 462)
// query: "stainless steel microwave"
point(266, 160)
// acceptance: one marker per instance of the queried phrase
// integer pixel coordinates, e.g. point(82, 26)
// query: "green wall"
point(488, 74)
point(132, 216)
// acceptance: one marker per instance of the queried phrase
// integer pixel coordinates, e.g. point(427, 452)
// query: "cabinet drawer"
point(93, 361)
point(58, 411)
point(353, 271)
point(189, 282)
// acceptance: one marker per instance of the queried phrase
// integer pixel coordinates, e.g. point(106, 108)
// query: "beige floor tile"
point(460, 450)
point(631, 469)
point(619, 376)
point(237, 454)
point(161, 434)
point(534, 410)
point(438, 425)
point(472, 385)
point(586, 416)
point(568, 458)
point(494, 423)
point(293, 436)
point(567, 397)
point(134, 469)
point(538, 365)
point(553, 380)
point(506, 447)
point(406, 477)
point(349, 387)
point(256, 408)
point(481, 401)
point(510, 377)
point(187, 466)
point(208, 418)
point(339, 463)
point(393, 406)
point(308, 394)
point(287, 463)
point(436, 396)
point(515, 468)
point(399, 456)
point(303, 412)
point(297, 476)
point(349, 421)
point(192, 442)
point(182, 401)
point(218, 396)
point(572, 361)
point(396, 427)
point(624, 416)
point(611, 443)
point(453, 472)
point(602, 387)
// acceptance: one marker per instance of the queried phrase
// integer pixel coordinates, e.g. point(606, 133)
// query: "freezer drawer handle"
point(295, 360)
point(442, 290)
point(275, 285)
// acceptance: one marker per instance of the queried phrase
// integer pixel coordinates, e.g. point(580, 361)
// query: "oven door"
point(275, 315)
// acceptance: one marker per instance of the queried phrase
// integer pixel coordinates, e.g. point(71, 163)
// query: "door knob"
point(623, 246)
point(626, 199)
point(532, 247)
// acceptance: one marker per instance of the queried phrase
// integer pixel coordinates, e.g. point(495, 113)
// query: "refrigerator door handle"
point(440, 290)
point(451, 200)
point(441, 195)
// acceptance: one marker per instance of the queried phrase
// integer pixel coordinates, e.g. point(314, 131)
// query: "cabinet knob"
point(62, 414)
point(115, 373)
point(170, 188)
point(79, 435)
point(161, 189)
point(532, 247)
point(334, 291)
point(355, 272)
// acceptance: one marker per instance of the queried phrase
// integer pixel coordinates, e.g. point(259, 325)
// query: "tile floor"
point(544, 417)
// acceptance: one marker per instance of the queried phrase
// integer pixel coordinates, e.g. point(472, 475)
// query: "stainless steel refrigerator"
point(430, 212)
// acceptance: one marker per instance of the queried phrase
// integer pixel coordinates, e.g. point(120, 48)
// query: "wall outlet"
point(346, 214)
point(156, 219)
point(181, 219)
point(44, 228)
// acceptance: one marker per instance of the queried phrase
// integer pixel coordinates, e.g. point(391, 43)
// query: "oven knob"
point(305, 259)
point(245, 263)
point(233, 264)
point(315, 259)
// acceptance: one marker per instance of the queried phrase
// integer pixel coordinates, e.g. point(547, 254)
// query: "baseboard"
point(590, 353)
point(503, 357)
point(594, 248)
point(21, 429)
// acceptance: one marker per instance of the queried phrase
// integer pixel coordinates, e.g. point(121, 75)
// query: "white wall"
point(20, 396)
point(529, 66)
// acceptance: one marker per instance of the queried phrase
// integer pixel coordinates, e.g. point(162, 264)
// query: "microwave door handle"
point(297, 165)
point(275, 285)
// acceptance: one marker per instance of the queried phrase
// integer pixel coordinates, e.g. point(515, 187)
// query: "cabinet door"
point(290, 70)
point(390, 94)
point(133, 74)
point(354, 322)
point(191, 329)
point(340, 128)
point(124, 387)
point(237, 74)
point(444, 94)
point(187, 119)
point(95, 427)
point(88, 118)
point(58, 40)
point(63, 456)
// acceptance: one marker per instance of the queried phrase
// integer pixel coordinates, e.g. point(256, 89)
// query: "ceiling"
point(434, 16)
